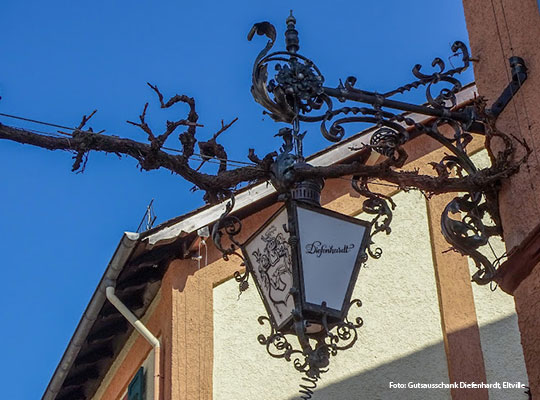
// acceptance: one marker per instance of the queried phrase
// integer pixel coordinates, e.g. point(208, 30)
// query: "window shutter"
point(136, 387)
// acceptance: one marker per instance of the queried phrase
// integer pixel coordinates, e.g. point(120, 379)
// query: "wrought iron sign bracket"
point(296, 94)
point(298, 88)
point(519, 76)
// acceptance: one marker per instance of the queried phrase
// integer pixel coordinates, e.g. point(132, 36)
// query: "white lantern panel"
point(270, 257)
point(329, 249)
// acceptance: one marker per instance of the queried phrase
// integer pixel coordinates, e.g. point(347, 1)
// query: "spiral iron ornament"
point(314, 356)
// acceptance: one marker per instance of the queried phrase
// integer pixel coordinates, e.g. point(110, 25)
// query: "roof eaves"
point(125, 248)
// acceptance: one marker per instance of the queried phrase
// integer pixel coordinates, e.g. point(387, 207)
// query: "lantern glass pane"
point(269, 255)
point(329, 248)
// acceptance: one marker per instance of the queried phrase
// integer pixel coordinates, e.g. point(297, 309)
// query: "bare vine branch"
point(212, 149)
point(224, 181)
point(81, 156)
point(85, 119)
point(148, 158)
point(152, 156)
point(143, 125)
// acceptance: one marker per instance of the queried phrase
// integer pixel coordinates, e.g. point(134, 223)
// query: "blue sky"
point(63, 59)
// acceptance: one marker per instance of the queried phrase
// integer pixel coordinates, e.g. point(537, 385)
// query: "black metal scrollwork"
point(446, 97)
point(337, 131)
point(276, 343)
point(328, 344)
point(375, 204)
point(297, 94)
point(468, 233)
point(346, 332)
point(313, 360)
point(297, 85)
point(231, 226)
point(297, 90)
point(385, 141)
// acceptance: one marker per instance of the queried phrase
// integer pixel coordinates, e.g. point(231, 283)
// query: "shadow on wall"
point(374, 384)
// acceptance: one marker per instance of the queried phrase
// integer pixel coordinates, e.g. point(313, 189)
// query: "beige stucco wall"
point(500, 338)
point(497, 319)
point(401, 340)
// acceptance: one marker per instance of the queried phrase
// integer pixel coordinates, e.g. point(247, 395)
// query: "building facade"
point(424, 323)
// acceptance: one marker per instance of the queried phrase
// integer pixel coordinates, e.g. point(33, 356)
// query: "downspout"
point(143, 330)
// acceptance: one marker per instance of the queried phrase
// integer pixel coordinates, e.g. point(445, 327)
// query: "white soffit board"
point(334, 155)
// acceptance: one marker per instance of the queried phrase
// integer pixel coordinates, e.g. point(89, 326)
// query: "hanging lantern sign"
point(305, 261)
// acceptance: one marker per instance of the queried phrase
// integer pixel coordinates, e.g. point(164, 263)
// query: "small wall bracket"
point(519, 75)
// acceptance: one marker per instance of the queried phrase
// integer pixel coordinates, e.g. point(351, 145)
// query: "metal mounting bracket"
point(519, 75)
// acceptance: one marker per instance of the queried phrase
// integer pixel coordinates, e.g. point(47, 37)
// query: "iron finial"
point(291, 34)
point(291, 19)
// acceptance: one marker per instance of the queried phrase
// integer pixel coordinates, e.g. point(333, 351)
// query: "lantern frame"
point(285, 325)
point(309, 312)
point(317, 312)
